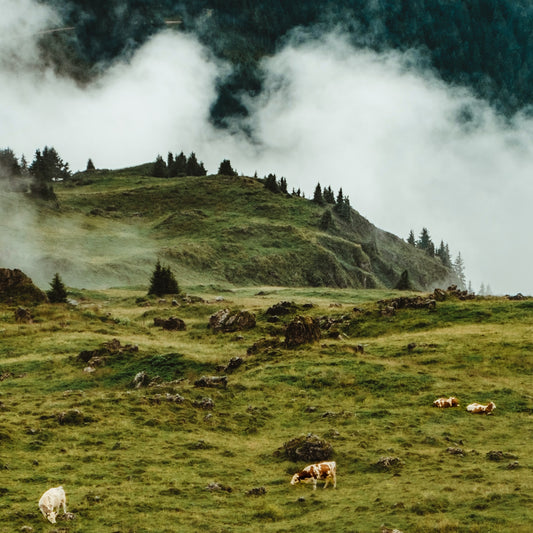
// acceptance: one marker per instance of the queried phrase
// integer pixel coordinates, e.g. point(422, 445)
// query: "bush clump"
point(309, 448)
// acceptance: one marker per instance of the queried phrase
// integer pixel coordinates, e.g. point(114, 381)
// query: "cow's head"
point(51, 517)
point(295, 479)
point(454, 401)
point(490, 407)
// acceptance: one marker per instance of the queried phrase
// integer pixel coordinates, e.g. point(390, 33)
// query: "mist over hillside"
point(413, 144)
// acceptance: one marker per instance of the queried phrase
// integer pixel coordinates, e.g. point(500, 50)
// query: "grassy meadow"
point(131, 461)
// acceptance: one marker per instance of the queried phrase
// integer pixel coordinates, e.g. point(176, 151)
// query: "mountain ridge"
point(220, 229)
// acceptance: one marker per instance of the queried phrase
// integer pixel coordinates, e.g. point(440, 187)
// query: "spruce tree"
point(90, 165)
point(159, 170)
point(411, 239)
point(271, 183)
point(404, 283)
point(179, 168)
point(326, 221)
point(459, 269)
point(163, 281)
point(328, 195)
point(57, 292)
point(283, 185)
point(225, 168)
point(317, 196)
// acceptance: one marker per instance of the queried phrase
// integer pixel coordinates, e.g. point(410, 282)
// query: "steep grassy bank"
point(136, 460)
point(113, 225)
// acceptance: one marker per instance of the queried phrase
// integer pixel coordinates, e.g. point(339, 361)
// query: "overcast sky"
point(387, 133)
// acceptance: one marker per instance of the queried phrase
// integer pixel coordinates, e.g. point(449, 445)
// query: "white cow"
point(51, 501)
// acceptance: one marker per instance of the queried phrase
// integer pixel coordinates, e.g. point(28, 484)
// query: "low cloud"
point(409, 150)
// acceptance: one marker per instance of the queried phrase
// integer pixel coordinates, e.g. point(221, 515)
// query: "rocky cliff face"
point(18, 289)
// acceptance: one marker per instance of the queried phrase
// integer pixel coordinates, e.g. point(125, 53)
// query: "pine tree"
point(283, 185)
point(57, 292)
point(225, 169)
point(163, 281)
point(404, 283)
point(179, 167)
point(326, 221)
point(317, 196)
point(340, 198)
point(411, 238)
point(193, 167)
point(90, 165)
point(159, 170)
point(170, 162)
point(328, 195)
point(424, 241)
point(459, 269)
point(271, 183)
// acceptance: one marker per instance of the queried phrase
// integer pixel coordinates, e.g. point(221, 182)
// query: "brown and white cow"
point(446, 402)
point(480, 408)
point(312, 473)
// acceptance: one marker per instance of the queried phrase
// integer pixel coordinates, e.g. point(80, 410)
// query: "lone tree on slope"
point(225, 169)
point(57, 293)
point(163, 281)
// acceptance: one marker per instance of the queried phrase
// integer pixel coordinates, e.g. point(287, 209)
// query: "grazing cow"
point(51, 501)
point(312, 473)
point(446, 402)
point(480, 408)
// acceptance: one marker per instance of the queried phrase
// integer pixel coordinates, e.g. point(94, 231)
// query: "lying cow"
point(446, 402)
point(312, 473)
point(480, 408)
point(51, 501)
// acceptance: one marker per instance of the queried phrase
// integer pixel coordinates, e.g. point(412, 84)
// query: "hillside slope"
point(113, 226)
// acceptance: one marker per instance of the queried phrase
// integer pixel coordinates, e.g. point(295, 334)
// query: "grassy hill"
point(113, 225)
point(161, 458)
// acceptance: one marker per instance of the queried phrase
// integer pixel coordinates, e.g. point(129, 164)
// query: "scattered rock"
point(388, 463)
point(233, 364)
point(406, 302)
point(309, 448)
point(141, 379)
point(228, 321)
point(111, 348)
point(452, 291)
point(518, 296)
point(26, 529)
point(214, 486)
point(171, 324)
point(173, 398)
point(513, 466)
point(262, 345)
point(22, 314)
point(72, 417)
point(205, 403)
point(302, 330)
point(257, 491)
point(212, 381)
point(17, 288)
point(282, 308)
point(385, 529)
point(455, 451)
point(498, 455)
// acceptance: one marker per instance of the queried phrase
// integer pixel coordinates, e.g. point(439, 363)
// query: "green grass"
point(213, 230)
point(136, 462)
